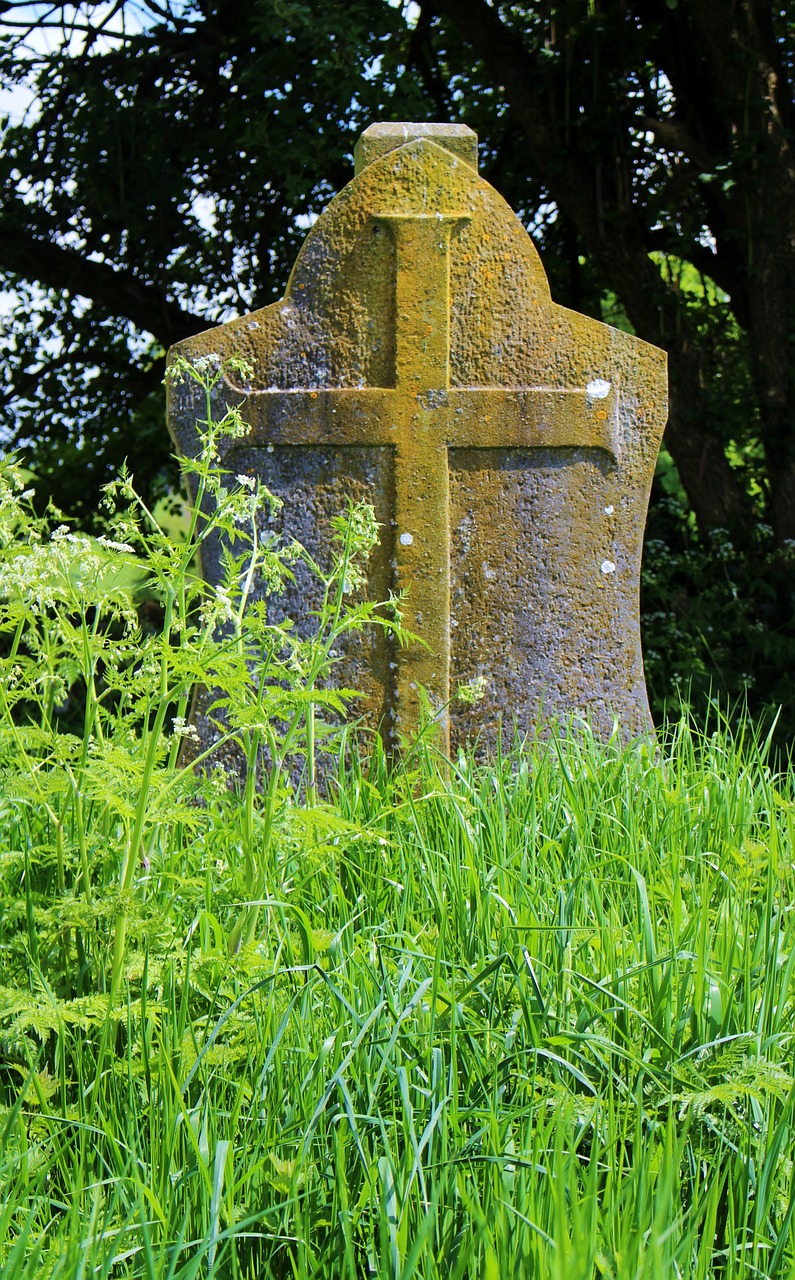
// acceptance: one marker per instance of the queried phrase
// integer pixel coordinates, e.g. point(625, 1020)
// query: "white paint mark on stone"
point(608, 566)
point(609, 510)
point(598, 389)
point(406, 539)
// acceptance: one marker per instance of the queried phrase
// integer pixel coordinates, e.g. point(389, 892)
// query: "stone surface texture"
point(506, 443)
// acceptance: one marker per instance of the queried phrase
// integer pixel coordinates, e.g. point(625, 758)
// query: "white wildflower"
point(226, 611)
point(207, 364)
point(473, 691)
point(181, 729)
point(114, 546)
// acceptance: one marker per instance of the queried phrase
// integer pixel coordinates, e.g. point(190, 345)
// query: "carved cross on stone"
point(384, 343)
point(420, 417)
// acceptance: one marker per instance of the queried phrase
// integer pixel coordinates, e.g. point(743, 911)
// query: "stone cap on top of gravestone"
point(379, 139)
point(507, 444)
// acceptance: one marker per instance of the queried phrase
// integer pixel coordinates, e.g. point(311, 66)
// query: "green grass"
point(532, 1018)
point(528, 1018)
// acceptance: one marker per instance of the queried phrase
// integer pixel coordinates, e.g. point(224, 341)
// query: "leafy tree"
point(175, 153)
point(159, 184)
point(668, 126)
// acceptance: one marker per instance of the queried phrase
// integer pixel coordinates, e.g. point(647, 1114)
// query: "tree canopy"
point(174, 154)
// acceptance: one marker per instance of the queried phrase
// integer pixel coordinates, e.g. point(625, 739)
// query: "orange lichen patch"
point(496, 430)
point(379, 139)
point(421, 418)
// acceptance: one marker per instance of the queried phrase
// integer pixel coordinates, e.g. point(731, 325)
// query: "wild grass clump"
point(525, 1018)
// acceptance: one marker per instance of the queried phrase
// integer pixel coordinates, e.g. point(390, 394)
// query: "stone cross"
point(416, 331)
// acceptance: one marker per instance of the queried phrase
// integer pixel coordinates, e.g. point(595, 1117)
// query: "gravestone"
point(506, 443)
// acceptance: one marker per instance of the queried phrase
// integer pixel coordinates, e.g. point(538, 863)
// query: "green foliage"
point(524, 1018)
point(67, 620)
point(728, 405)
point(717, 604)
point(188, 226)
point(718, 619)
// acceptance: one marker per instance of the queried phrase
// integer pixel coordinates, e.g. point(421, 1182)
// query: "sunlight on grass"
point(531, 1017)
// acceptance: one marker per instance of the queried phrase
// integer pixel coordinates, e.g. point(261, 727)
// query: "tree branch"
point(674, 136)
point(121, 293)
point(714, 265)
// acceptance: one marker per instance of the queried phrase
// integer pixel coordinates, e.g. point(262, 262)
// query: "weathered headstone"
point(506, 443)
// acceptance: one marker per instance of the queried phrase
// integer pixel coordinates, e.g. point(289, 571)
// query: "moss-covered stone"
point(507, 443)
